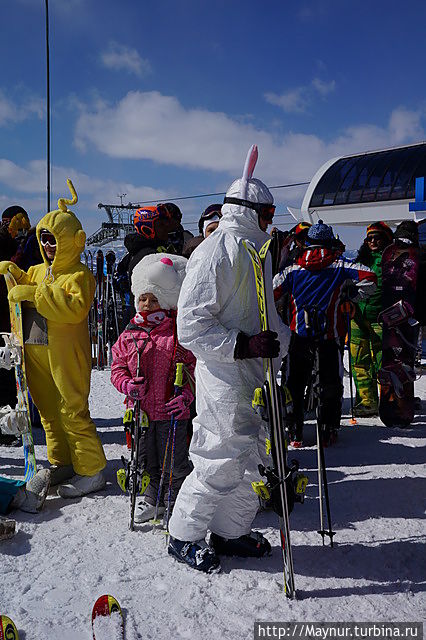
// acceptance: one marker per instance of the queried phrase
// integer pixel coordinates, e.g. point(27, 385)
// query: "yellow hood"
point(69, 234)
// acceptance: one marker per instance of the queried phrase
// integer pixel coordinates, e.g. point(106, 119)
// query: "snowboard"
point(17, 337)
point(8, 631)
point(107, 619)
point(400, 265)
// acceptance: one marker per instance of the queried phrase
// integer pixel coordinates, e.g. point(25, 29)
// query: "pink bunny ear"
point(250, 162)
point(248, 168)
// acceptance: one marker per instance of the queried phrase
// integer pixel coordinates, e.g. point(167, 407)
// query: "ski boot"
point(197, 555)
point(146, 511)
point(252, 545)
point(31, 496)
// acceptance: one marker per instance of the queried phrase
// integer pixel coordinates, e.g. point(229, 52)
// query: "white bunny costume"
point(218, 300)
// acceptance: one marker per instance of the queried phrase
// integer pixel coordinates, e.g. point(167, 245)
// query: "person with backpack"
point(316, 284)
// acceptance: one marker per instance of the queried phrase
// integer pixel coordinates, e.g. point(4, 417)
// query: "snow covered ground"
point(61, 560)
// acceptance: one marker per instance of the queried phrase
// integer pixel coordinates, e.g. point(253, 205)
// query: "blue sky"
point(157, 99)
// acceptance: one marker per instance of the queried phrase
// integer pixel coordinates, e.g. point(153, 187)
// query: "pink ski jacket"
point(157, 346)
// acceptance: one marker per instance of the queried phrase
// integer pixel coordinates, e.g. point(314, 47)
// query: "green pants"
point(366, 354)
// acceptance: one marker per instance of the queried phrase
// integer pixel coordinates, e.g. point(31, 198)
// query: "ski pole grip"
point(179, 374)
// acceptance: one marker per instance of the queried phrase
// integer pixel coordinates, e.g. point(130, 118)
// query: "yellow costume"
point(58, 372)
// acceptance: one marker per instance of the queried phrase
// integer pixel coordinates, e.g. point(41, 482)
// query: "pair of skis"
point(313, 328)
point(14, 348)
point(278, 473)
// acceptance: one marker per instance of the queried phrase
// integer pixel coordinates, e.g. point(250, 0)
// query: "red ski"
point(107, 619)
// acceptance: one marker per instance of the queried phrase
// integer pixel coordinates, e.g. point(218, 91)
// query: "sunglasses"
point(47, 238)
point(265, 211)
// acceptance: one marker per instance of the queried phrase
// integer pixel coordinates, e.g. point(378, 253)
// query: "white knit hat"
point(162, 275)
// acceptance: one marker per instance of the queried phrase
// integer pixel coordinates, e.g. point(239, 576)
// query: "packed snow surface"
point(63, 559)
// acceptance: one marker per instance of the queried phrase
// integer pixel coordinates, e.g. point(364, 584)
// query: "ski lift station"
point(362, 188)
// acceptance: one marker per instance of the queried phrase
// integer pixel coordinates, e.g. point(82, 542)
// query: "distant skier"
point(151, 339)
point(366, 331)
point(318, 281)
point(218, 321)
point(57, 296)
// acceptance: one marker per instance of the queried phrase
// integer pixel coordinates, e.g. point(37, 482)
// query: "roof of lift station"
point(365, 187)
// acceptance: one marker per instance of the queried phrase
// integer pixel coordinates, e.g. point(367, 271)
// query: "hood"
point(316, 258)
point(67, 229)
point(134, 242)
point(241, 218)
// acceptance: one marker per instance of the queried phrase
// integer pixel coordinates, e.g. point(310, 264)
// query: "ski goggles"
point(144, 219)
point(47, 238)
point(265, 211)
point(211, 214)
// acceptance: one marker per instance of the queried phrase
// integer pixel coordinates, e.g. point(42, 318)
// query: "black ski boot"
point(197, 555)
point(252, 545)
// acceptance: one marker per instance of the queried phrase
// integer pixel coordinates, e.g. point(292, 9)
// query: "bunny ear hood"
point(67, 229)
point(246, 188)
point(256, 191)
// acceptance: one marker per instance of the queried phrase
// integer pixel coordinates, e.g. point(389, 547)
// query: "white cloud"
point(29, 186)
point(293, 101)
point(118, 57)
point(17, 110)
point(155, 127)
point(299, 99)
point(323, 88)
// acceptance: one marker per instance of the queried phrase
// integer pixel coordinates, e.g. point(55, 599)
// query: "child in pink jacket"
point(151, 338)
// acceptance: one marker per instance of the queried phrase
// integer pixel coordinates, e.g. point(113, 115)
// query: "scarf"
point(150, 318)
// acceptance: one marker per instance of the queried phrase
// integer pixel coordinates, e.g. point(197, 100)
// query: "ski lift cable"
point(219, 193)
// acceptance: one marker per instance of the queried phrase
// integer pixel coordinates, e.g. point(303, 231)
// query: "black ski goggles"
point(47, 238)
point(265, 211)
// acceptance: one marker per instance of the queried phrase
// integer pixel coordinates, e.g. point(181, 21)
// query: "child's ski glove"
point(135, 388)
point(177, 406)
point(263, 345)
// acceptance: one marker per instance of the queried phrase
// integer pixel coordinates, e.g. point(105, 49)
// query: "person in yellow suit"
point(56, 297)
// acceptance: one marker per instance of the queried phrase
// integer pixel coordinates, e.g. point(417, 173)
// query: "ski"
point(8, 630)
point(100, 316)
point(15, 342)
point(277, 474)
point(313, 329)
point(112, 331)
point(107, 619)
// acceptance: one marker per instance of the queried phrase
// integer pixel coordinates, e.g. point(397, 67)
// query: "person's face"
point(164, 226)
point(264, 224)
point(210, 228)
point(376, 241)
point(48, 242)
point(148, 302)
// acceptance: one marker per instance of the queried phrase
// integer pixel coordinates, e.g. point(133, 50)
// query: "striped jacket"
point(318, 279)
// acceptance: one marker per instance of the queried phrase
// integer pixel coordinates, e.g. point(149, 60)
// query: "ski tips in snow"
point(107, 619)
point(8, 630)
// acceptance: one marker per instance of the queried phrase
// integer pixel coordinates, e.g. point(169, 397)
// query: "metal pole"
point(48, 103)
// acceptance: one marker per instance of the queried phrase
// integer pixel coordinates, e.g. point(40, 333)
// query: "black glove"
point(262, 345)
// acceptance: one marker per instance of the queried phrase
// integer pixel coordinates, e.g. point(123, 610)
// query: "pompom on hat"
point(162, 275)
point(320, 233)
